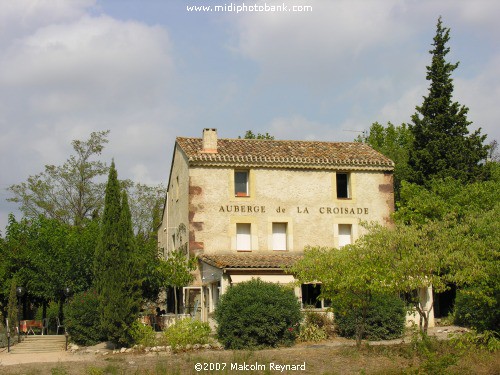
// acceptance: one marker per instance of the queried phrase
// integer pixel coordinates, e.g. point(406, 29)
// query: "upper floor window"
point(343, 182)
point(241, 184)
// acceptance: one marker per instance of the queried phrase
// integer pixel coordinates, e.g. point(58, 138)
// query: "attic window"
point(343, 185)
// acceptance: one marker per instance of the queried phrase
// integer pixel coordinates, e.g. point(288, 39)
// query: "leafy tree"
point(443, 197)
point(395, 143)
point(40, 254)
point(146, 205)
point(176, 271)
point(68, 193)
point(403, 259)
point(115, 262)
point(250, 135)
point(493, 152)
point(442, 146)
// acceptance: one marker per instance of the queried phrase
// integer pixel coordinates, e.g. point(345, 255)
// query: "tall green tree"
point(115, 265)
point(442, 145)
point(395, 143)
point(70, 192)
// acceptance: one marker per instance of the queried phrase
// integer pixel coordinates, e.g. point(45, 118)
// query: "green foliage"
point(187, 332)
point(12, 311)
point(442, 146)
point(487, 340)
point(40, 255)
point(250, 135)
point(143, 334)
point(313, 328)
point(385, 260)
point(395, 143)
point(385, 319)
point(176, 270)
point(256, 314)
point(51, 313)
point(478, 308)
point(82, 318)
point(421, 204)
point(434, 359)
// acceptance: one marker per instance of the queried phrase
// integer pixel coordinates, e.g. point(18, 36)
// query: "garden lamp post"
point(20, 291)
point(67, 293)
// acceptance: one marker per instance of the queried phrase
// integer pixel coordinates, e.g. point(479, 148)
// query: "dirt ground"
point(334, 356)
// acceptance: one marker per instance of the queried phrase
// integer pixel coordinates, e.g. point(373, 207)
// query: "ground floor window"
point(345, 234)
point(243, 237)
point(279, 236)
point(310, 297)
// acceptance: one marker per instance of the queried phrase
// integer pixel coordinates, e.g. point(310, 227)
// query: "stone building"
point(247, 207)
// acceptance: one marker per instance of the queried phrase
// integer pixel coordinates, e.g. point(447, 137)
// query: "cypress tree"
point(114, 271)
point(130, 299)
point(442, 145)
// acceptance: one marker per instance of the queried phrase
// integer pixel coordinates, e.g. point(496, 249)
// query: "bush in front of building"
point(81, 318)
point(187, 332)
point(385, 319)
point(257, 314)
point(316, 326)
point(143, 334)
point(478, 309)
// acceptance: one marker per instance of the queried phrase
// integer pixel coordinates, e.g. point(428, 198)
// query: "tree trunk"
point(423, 316)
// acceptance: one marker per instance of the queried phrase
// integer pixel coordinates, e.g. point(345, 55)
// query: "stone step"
point(40, 344)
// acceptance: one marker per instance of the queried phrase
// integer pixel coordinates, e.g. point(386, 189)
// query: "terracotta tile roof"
point(249, 260)
point(285, 154)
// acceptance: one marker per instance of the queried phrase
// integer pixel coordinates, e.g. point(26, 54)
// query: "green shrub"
point(315, 327)
point(82, 318)
point(187, 332)
point(311, 332)
point(486, 340)
point(478, 308)
point(143, 334)
point(257, 314)
point(385, 319)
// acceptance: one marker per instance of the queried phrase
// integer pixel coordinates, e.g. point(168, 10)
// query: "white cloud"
point(298, 127)
point(22, 17)
point(481, 94)
point(65, 73)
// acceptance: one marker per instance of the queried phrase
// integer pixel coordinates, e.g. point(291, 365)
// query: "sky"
point(153, 70)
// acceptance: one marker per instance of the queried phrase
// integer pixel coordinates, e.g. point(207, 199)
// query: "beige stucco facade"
point(298, 194)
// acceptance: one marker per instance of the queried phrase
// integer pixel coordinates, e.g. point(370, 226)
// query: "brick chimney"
point(209, 141)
